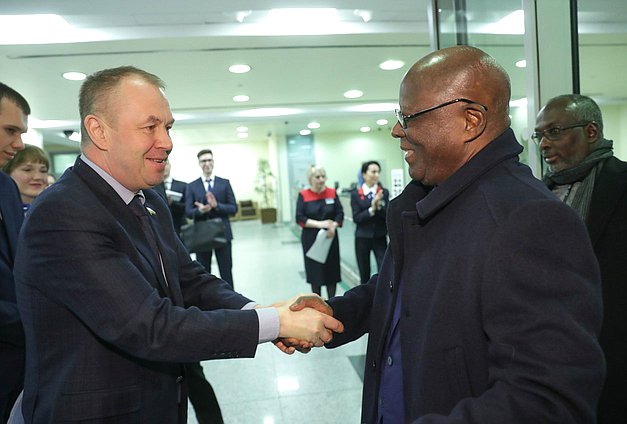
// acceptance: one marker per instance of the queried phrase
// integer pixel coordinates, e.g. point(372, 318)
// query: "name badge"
point(329, 201)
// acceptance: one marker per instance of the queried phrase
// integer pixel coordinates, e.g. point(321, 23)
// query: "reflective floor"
point(323, 386)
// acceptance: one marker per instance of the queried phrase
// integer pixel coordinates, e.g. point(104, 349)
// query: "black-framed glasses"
point(403, 119)
point(555, 133)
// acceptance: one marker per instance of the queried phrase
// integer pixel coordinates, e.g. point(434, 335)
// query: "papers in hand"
point(174, 195)
point(320, 249)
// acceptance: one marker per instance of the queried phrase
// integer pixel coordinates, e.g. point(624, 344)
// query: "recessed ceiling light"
point(241, 98)
point(241, 129)
point(391, 65)
point(353, 94)
point(521, 64)
point(364, 129)
point(365, 15)
point(382, 121)
point(74, 76)
point(242, 135)
point(239, 69)
point(305, 132)
point(313, 125)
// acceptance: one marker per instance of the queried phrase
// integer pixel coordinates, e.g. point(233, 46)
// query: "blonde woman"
point(29, 170)
point(318, 207)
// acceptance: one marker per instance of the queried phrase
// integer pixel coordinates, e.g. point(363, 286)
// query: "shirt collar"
point(126, 194)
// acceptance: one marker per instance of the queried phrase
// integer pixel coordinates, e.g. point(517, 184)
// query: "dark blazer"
point(367, 226)
point(607, 225)
point(11, 333)
point(103, 342)
point(177, 207)
point(227, 205)
point(499, 322)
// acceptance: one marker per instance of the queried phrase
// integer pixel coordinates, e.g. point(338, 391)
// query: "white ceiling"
point(190, 44)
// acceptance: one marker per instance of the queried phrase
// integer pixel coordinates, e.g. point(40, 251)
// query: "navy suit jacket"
point(104, 343)
point(12, 216)
point(227, 205)
point(11, 333)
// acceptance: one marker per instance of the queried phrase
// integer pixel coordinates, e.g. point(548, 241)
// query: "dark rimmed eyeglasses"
point(555, 133)
point(403, 119)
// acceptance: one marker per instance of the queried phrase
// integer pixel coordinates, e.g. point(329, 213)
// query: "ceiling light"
point(242, 14)
point(313, 125)
point(242, 135)
point(304, 132)
point(74, 76)
point(27, 29)
point(268, 420)
point(391, 65)
point(241, 98)
point(382, 121)
point(239, 69)
point(521, 64)
point(353, 94)
point(72, 135)
point(364, 129)
point(241, 129)
point(365, 15)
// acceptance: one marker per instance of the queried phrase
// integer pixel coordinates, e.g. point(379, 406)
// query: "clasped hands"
point(212, 203)
point(305, 321)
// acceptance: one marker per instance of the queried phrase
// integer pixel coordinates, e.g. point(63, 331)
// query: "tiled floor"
point(323, 386)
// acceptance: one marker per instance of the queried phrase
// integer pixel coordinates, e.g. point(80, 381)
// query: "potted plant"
point(265, 188)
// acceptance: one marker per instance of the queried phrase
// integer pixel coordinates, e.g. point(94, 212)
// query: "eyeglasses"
point(554, 133)
point(403, 119)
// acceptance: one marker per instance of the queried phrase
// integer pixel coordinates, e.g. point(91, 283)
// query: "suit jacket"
point(11, 332)
point(177, 207)
point(607, 226)
point(367, 226)
point(498, 322)
point(227, 205)
point(104, 343)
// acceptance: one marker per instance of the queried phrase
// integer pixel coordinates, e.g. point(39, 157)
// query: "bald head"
point(462, 72)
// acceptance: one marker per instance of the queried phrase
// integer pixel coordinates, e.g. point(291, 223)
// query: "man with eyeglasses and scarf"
point(584, 174)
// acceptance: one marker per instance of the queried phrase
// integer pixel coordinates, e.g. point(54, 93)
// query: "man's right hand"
point(308, 324)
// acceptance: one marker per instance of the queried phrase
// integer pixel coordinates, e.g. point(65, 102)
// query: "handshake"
point(305, 321)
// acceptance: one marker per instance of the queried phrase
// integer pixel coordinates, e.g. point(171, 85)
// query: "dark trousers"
point(11, 378)
point(363, 247)
point(225, 262)
point(202, 396)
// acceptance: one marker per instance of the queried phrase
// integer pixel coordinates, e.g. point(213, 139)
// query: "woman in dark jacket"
point(369, 203)
point(318, 208)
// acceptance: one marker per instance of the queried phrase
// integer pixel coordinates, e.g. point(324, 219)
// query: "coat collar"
point(500, 149)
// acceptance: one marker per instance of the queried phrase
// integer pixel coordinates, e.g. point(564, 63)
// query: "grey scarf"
point(583, 195)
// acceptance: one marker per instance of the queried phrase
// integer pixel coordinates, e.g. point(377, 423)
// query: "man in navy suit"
point(585, 174)
point(14, 111)
point(111, 303)
point(212, 197)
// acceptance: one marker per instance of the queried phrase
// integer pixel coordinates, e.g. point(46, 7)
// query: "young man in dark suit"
point(212, 197)
point(112, 305)
point(14, 111)
point(585, 174)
